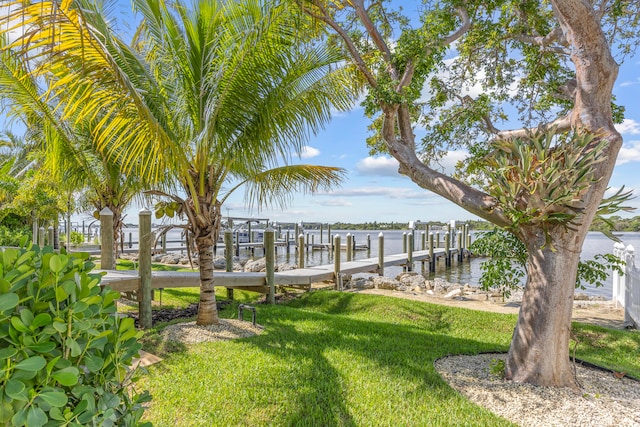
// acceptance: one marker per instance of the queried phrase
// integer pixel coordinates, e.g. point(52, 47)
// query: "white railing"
point(626, 288)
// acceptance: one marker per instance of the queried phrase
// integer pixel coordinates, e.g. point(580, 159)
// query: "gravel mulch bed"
point(604, 400)
point(227, 329)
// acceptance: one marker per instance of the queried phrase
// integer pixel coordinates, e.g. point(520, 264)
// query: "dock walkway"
point(127, 281)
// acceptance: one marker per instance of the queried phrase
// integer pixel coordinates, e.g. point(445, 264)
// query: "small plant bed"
point(165, 315)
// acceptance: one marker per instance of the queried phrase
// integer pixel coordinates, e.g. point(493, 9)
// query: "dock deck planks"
point(126, 281)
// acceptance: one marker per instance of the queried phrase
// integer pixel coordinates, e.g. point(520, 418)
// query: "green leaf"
point(41, 320)
point(67, 376)
point(26, 316)
point(60, 327)
point(94, 363)
point(43, 347)
point(55, 264)
point(31, 364)
point(16, 390)
point(36, 417)
point(18, 325)
point(8, 301)
point(8, 352)
point(56, 399)
point(6, 412)
point(74, 346)
point(20, 417)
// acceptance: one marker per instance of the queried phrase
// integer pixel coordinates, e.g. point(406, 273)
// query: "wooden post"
point(130, 240)
point(50, 236)
point(447, 249)
point(144, 268)
point(228, 257)
point(164, 243)
point(423, 238)
point(107, 259)
point(84, 235)
point(409, 251)
point(381, 254)
point(320, 233)
point(41, 237)
point(296, 230)
point(270, 260)
point(432, 260)
point(437, 242)
point(228, 249)
point(34, 231)
point(301, 250)
point(404, 242)
point(349, 247)
point(329, 234)
point(459, 245)
point(237, 243)
point(56, 234)
point(288, 243)
point(308, 237)
point(336, 263)
point(368, 245)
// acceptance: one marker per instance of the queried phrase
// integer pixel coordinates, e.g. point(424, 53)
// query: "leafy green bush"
point(77, 238)
point(11, 236)
point(64, 352)
point(506, 267)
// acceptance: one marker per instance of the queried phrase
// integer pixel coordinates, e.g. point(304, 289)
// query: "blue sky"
point(374, 191)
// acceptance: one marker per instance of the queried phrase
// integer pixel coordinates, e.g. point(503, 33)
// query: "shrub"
point(77, 238)
point(11, 236)
point(63, 351)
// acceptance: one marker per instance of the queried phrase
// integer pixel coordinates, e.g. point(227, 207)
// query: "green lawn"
point(343, 359)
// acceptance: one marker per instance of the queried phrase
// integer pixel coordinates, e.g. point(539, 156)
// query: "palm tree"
point(61, 147)
point(211, 97)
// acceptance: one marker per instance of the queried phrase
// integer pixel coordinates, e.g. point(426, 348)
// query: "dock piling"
point(349, 247)
point(381, 254)
point(447, 249)
point(410, 252)
point(336, 263)
point(270, 260)
point(432, 260)
point(144, 268)
point(228, 256)
point(107, 257)
point(301, 250)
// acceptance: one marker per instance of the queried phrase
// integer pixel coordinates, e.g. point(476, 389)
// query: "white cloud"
point(630, 152)
point(629, 127)
point(447, 164)
point(388, 192)
point(308, 152)
point(625, 84)
point(378, 166)
point(337, 202)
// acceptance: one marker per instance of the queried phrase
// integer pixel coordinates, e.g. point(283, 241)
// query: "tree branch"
point(562, 124)
point(466, 24)
point(372, 30)
point(353, 51)
point(545, 42)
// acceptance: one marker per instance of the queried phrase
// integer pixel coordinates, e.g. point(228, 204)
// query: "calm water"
point(466, 272)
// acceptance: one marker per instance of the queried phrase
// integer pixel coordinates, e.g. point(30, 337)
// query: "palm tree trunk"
point(207, 310)
point(539, 352)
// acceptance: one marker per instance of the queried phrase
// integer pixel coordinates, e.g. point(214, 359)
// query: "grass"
point(342, 359)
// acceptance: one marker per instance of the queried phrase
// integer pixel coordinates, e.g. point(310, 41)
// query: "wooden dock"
point(127, 281)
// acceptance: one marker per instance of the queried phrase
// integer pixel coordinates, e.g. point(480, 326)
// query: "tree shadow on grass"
point(391, 362)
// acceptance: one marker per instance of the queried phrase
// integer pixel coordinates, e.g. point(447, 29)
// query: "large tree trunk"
point(539, 352)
